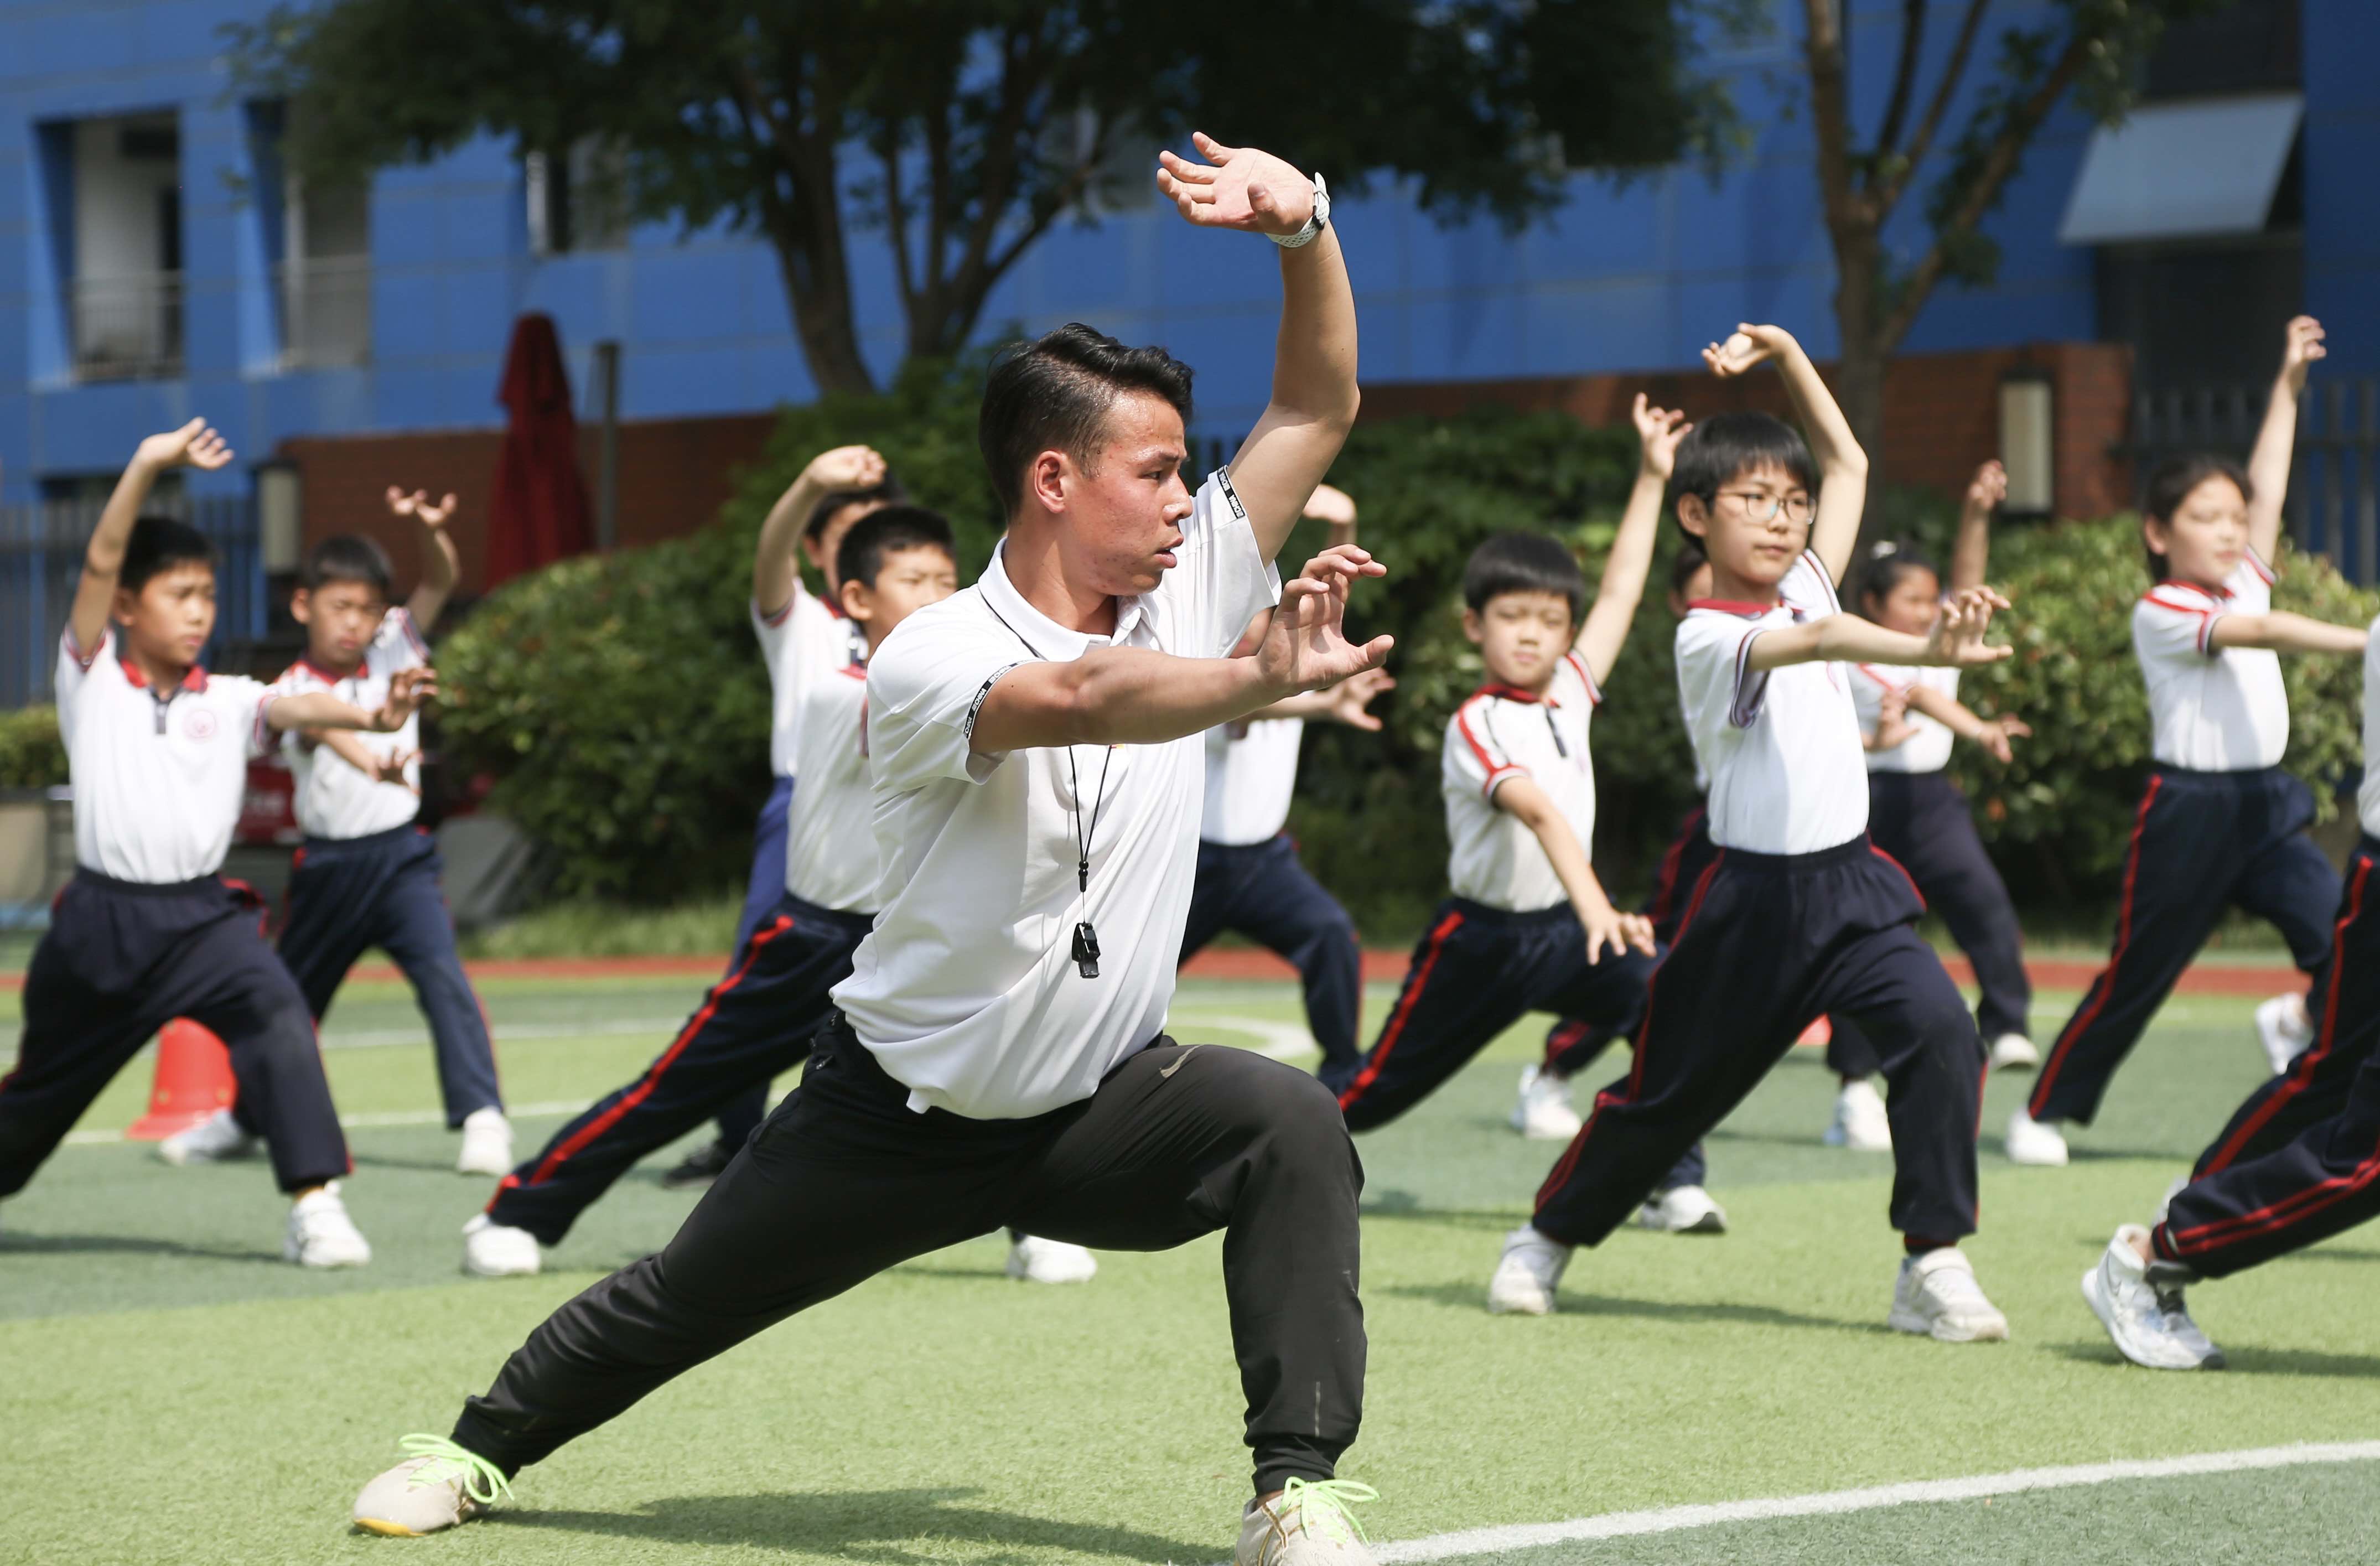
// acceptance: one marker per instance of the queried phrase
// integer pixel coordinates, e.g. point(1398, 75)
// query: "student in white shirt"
point(797, 629)
point(1250, 877)
point(366, 875)
point(2220, 824)
point(755, 1024)
point(1035, 746)
point(147, 931)
point(2300, 1161)
point(1797, 915)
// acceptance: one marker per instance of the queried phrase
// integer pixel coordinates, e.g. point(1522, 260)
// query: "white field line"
point(1670, 1519)
point(1282, 1041)
point(385, 1117)
point(377, 1037)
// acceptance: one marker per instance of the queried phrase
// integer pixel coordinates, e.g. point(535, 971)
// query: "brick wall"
point(674, 473)
point(1941, 414)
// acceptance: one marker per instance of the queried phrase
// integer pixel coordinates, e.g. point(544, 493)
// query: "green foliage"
point(31, 754)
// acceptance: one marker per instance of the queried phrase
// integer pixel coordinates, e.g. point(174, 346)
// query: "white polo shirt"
point(1928, 750)
point(2367, 798)
point(2211, 709)
point(1782, 745)
point(808, 632)
point(829, 831)
point(334, 799)
point(967, 990)
point(1498, 734)
point(1251, 773)
point(158, 777)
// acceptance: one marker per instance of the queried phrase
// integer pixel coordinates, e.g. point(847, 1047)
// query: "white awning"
point(2183, 170)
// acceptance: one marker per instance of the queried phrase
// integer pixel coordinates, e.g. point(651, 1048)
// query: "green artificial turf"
point(174, 1392)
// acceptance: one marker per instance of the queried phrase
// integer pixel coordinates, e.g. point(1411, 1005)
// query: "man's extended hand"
point(1236, 187)
point(1306, 646)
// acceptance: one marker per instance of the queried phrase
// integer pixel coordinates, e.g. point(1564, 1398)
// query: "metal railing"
point(325, 312)
point(2334, 504)
point(127, 328)
point(41, 560)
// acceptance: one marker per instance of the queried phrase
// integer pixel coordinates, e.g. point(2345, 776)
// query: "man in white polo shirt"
point(999, 1059)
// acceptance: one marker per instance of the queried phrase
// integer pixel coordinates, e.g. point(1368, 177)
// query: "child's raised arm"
point(775, 567)
point(1843, 466)
point(195, 444)
point(439, 564)
point(1659, 431)
point(2268, 465)
point(1970, 554)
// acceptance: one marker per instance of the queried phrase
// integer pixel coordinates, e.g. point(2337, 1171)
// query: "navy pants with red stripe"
point(2301, 1161)
point(1477, 972)
point(743, 1114)
point(755, 1024)
point(347, 895)
point(2202, 843)
point(1262, 890)
point(1768, 943)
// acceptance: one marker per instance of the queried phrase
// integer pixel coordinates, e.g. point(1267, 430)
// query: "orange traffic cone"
point(1817, 1035)
point(193, 1081)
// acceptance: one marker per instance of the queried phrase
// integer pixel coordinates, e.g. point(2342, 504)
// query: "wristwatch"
point(1314, 225)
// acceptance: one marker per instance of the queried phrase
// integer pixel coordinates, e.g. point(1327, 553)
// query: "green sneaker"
point(1306, 1524)
point(438, 1486)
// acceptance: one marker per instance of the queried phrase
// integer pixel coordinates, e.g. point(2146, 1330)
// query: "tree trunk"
point(817, 291)
point(1859, 369)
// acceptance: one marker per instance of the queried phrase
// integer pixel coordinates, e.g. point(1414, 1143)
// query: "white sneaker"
point(2014, 1051)
point(1306, 1524)
point(1526, 1273)
point(321, 1234)
point(487, 1144)
point(1544, 1113)
point(498, 1250)
point(1937, 1294)
point(1683, 1209)
point(1860, 1122)
point(2036, 1142)
point(1035, 1260)
point(439, 1486)
point(212, 1140)
point(2149, 1324)
point(2284, 1029)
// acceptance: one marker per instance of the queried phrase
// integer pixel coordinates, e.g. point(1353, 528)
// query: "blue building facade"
point(154, 265)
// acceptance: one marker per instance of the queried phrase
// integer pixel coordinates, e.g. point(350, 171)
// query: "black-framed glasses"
point(1763, 507)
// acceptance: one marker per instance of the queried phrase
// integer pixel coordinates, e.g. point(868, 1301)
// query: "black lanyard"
point(1086, 939)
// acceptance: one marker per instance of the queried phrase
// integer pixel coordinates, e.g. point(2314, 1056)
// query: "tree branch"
point(1904, 74)
point(896, 219)
point(1921, 142)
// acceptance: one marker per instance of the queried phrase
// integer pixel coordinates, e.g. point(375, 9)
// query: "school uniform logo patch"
point(199, 724)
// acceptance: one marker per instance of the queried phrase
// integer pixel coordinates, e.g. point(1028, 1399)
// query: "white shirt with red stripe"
point(1251, 774)
point(334, 799)
point(158, 775)
point(1929, 749)
point(1787, 774)
point(2367, 798)
point(1501, 733)
point(967, 992)
point(809, 632)
point(2211, 709)
point(829, 830)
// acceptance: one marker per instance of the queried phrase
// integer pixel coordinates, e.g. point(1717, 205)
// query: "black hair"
point(1523, 563)
point(1053, 394)
point(2170, 483)
point(1883, 564)
point(156, 546)
point(345, 557)
point(888, 492)
point(1689, 559)
point(1725, 445)
point(889, 530)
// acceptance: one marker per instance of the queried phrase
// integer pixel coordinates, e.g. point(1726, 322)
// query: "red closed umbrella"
point(539, 513)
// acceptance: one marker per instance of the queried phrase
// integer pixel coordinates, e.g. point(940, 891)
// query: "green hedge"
point(31, 754)
point(619, 703)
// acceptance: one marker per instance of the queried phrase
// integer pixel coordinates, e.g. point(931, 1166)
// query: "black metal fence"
point(41, 560)
point(2334, 504)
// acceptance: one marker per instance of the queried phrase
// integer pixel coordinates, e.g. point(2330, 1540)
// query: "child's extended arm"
point(439, 564)
point(776, 563)
point(195, 444)
point(1842, 467)
point(408, 689)
point(1605, 925)
point(1659, 431)
point(342, 743)
point(1957, 641)
point(2284, 632)
point(2268, 465)
point(1345, 702)
point(1992, 733)
point(1893, 728)
point(1970, 554)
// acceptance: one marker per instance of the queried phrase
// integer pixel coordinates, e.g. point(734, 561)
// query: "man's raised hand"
point(1236, 187)
point(1957, 638)
point(1307, 646)
point(195, 444)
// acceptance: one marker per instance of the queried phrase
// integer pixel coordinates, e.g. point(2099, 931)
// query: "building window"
point(578, 200)
point(124, 286)
point(324, 283)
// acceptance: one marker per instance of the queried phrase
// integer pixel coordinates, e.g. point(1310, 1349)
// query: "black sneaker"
point(706, 1164)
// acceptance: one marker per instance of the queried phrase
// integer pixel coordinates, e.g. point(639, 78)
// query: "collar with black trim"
point(1045, 637)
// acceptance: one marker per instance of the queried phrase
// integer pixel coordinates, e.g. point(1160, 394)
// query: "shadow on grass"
point(1473, 1297)
point(125, 1245)
point(2244, 1361)
point(880, 1525)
